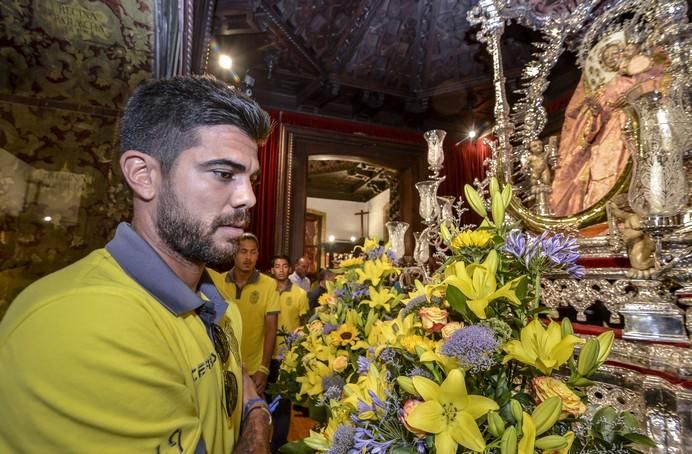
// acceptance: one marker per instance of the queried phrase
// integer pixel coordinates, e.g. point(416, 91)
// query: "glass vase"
point(436, 155)
point(659, 182)
point(428, 207)
point(397, 232)
point(421, 252)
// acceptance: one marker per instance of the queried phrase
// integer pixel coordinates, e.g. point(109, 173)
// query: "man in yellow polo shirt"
point(258, 301)
point(293, 302)
point(133, 349)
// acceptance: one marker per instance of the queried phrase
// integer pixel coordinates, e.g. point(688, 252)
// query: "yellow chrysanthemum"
point(471, 238)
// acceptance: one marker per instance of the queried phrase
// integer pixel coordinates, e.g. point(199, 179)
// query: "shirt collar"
point(143, 264)
point(288, 287)
point(254, 277)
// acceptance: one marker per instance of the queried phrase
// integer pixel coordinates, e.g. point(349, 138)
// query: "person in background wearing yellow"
point(293, 302)
point(258, 301)
point(132, 348)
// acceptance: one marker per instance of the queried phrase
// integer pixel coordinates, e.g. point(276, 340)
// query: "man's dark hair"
point(324, 274)
point(279, 257)
point(248, 236)
point(162, 116)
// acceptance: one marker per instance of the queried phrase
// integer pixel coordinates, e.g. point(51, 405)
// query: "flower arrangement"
point(463, 363)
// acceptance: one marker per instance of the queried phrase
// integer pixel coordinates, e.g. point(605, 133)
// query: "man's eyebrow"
point(224, 162)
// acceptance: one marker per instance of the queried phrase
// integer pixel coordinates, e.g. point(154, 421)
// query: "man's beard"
point(188, 237)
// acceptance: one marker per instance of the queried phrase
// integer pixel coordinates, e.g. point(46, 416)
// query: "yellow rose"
point(409, 405)
point(433, 318)
point(316, 326)
point(450, 328)
point(546, 387)
point(340, 363)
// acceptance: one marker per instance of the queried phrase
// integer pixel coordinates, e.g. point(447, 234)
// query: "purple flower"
point(343, 440)
point(365, 440)
point(363, 365)
point(328, 328)
point(387, 355)
point(360, 292)
point(413, 305)
point(474, 347)
point(391, 255)
point(376, 253)
point(515, 243)
point(333, 385)
point(420, 372)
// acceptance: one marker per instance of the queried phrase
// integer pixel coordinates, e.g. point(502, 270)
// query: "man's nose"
point(243, 195)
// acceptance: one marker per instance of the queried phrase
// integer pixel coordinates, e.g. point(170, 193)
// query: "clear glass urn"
point(436, 155)
point(659, 183)
point(428, 207)
point(397, 232)
point(421, 252)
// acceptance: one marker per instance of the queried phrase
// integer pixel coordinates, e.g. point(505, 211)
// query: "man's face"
point(281, 269)
point(246, 257)
point(611, 56)
point(204, 200)
point(302, 267)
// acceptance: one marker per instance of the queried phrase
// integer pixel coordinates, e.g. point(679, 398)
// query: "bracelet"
point(263, 369)
point(264, 409)
point(253, 404)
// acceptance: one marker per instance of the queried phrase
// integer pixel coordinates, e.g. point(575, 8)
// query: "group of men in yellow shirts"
point(267, 306)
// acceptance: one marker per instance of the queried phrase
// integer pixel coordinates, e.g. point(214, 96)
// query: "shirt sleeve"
point(273, 305)
point(95, 374)
point(304, 304)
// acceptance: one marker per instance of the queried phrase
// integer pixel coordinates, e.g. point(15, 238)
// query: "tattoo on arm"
point(255, 436)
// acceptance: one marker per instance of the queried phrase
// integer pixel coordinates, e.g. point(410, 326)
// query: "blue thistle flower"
point(414, 305)
point(333, 385)
point(474, 346)
point(343, 440)
point(420, 372)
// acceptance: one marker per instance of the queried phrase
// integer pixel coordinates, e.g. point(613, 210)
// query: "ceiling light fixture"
point(225, 62)
point(331, 238)
point(472, 134)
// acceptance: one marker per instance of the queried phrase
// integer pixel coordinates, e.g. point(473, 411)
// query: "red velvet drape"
point(464, 163)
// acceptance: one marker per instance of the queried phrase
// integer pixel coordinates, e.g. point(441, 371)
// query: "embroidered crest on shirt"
point(254, 297)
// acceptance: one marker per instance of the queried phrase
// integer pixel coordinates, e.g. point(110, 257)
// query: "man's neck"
point(283, 285)
point(240, 277)
point(188, 272)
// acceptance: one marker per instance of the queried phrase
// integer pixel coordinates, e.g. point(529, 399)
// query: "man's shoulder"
point(88, 285)
point(266, 281)
point(298, 291)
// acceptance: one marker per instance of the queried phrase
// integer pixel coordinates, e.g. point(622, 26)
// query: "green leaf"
point(403, 451)
point(457, 300)
point(522, 287)
point(640, 439)
point(296, 447)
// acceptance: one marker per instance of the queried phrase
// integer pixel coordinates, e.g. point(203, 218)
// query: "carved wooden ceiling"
point(413, 63)
point(347, 180)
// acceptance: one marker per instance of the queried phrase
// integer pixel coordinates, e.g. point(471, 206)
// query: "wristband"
point(253, 404)
point(263, 369)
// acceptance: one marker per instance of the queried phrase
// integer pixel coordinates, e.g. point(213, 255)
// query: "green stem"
point(537, 291)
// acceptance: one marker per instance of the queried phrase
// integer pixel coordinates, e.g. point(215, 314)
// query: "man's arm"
point(255, 434)
point(271, 321)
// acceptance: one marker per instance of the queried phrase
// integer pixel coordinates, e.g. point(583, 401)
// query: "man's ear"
point(142, 173)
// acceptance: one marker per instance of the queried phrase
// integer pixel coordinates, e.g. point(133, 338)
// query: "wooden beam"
point(348, 44)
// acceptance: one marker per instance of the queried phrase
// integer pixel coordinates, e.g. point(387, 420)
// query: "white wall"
point(342, 221)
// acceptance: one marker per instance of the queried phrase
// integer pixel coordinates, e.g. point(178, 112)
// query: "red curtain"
point(464, 163)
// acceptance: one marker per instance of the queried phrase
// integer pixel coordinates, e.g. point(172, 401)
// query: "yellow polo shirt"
point(257, 299)
point(293, 303)
point(92, 362)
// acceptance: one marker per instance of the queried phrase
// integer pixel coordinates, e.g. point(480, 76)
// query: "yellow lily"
point(350, 263)
point(311, 382)
point(433, 355)
point(528, 429)
point(450, 413)
point(543, 349)
point(380, 298)
point(477, 282)
point(360, 391)
point(374, 271)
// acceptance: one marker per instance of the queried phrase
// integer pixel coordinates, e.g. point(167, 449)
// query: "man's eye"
point(224, 175)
